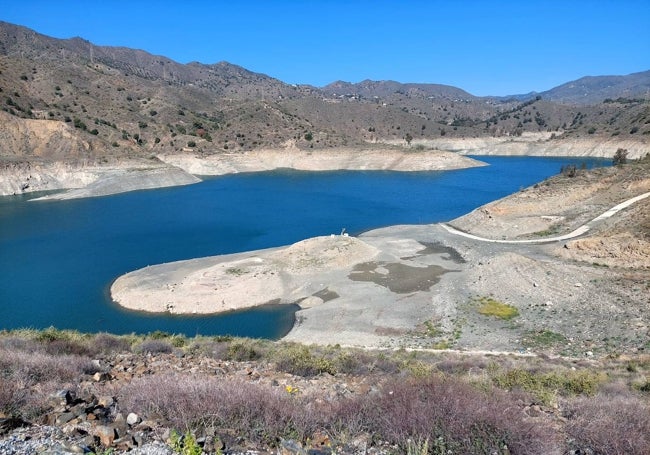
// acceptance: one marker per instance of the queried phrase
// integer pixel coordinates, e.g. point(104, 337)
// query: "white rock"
point(133, 418)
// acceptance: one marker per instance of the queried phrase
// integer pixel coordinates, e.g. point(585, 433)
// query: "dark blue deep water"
point(58, 258)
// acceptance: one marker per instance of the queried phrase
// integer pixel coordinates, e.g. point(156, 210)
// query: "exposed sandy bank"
point(119, 180)
point(233, 282)
point(85, 180)
point(323, 160)
point(538, 144)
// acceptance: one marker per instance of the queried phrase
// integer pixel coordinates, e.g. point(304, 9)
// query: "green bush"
point(298, 360)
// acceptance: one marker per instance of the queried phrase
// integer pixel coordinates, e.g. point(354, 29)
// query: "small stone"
point(101, 377)
point(120, 426)
point(125, 443)
point(105, 401)
point(74, 448)
point(64, 418)
point(106, 435)
point(138, 439)
point(578, 285)
point(133, 419)
point(291, 447)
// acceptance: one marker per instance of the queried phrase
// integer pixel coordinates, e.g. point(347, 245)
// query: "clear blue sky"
point(485, 47)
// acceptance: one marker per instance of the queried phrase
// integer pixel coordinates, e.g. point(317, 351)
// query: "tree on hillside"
point(408, 138)
point(620, 157)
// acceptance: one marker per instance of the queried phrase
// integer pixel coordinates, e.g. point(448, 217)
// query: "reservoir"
point(59, 258)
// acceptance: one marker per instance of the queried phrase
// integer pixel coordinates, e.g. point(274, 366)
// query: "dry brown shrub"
point(256, 411)
point(155, 347)
point(456, 415)
point(36, 367)
point(108, 344)
point(610, 424)
point(27, 379)
point(67, 347)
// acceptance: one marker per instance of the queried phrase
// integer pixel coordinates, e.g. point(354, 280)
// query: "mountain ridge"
point(120, 102)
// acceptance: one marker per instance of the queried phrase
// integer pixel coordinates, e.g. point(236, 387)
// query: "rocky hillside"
point(596, 89)
point(69, 99)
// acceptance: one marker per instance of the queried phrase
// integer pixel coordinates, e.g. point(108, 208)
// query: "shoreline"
point(92, 179)
point(89, 179)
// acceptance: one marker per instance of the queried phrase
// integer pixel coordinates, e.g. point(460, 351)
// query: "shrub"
point(451, 413)
point(79, 124)
point(491, 307)
point(298, 360)
point(259, 412)
point(241, 351)
point(609, 425)
point(30, 368)
point(545, 386)
point(155, 347)
point(191, 144)
point(620, 157)
point(106, 343)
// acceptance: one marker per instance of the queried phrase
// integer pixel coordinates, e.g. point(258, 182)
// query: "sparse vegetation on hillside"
point(139, 102)
point(319, 397)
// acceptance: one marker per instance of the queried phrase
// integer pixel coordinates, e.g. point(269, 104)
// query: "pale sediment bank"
point(538, 144)
point(234, 282)
point(352, 290)
point(87, 180)
point(391, 159)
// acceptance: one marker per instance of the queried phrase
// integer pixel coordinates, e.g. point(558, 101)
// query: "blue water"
point(58, 258)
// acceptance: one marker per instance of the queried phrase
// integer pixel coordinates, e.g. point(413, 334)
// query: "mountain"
point(105, 102)
point(595, 89)
point(384, 89)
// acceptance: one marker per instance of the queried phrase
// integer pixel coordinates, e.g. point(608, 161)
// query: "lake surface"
point(59, 258)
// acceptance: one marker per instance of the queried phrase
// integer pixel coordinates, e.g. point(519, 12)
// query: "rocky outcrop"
point(33, 139)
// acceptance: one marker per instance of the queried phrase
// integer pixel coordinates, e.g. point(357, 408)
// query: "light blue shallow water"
point(58, 258)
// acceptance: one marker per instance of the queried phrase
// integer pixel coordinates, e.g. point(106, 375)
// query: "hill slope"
point(72, 100)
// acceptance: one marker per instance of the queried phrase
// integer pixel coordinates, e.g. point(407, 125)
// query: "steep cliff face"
point(30, 138)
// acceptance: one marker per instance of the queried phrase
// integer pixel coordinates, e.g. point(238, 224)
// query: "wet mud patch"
point(326, 295)
point(398, 278)
point(439, 248)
